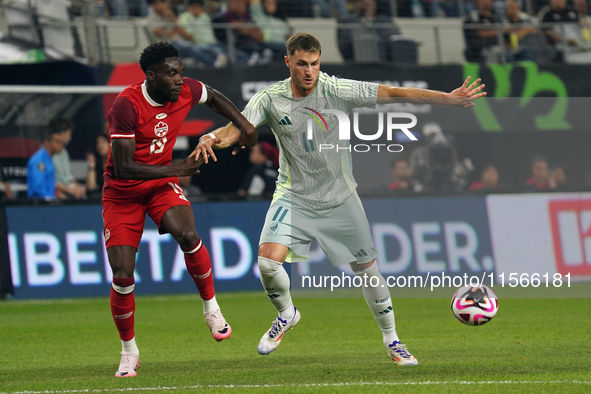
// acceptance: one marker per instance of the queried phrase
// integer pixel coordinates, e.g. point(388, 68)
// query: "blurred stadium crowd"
point(252, 32)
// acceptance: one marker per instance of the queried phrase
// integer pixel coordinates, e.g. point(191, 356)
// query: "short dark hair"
point(150, 2)
point(61, 124)
point(303, 41)
point(49, 132)
point(197, 2)
point(155, 54)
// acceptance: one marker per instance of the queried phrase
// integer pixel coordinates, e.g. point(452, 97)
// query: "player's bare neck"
point(153, 95)
point(296, 92)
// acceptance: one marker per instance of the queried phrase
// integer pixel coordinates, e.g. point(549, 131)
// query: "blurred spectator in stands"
point(97, 161)
point(540, 178)
point(198, 24)
point(5, 190)
point(66, 185)
point(402, 178)
point(489, 179)
point(261, 176)
point(274, 27)
point(558, 178)
point(566, 32)
point(40, 169)
point(250, 38)
point(482, 44)
point(163, 26)
point(514, 37)
point(189, 189)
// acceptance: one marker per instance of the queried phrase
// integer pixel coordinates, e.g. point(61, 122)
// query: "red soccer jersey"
point(154, 127)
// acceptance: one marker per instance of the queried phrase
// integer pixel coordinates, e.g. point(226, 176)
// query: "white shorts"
point(342, 232)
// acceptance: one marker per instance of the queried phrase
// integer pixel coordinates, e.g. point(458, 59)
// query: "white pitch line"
point(248, 386)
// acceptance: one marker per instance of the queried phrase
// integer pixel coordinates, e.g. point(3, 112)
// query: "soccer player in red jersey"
point(143, 126)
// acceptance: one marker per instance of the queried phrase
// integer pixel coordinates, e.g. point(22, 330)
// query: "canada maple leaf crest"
point(161, 129)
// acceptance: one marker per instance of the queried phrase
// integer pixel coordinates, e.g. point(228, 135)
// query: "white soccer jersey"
point(320, 179)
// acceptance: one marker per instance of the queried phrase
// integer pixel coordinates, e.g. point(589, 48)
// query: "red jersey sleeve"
point(122, 119)
point(198, 91)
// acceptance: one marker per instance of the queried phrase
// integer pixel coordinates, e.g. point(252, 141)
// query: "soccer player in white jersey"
point(315, 197)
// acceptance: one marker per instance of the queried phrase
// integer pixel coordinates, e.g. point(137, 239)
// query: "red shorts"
point(124, 213)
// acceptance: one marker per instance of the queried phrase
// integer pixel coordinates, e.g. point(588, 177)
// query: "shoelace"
point(216, 321)
point(275, 328)
point(401, 351)
point(125, 363)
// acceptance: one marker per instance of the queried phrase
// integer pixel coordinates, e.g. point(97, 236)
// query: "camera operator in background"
point(436, 165)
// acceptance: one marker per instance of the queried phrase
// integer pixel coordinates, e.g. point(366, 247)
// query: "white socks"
point(276, 283)
point(378, 300)
point(129, 347)
point(210, 306)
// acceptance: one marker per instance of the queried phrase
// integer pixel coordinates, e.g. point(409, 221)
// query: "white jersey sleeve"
point(354, 93)
point(256, 109)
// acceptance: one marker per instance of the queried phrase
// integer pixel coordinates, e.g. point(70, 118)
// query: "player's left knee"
point(186, 239)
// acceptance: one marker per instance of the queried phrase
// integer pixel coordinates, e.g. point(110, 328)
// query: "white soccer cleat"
point(272, 338)
point(220, 329)
point(128, 365)
point(400, 355)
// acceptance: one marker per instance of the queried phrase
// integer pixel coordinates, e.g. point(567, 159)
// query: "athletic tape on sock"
point(123, 290)
point(195, 249)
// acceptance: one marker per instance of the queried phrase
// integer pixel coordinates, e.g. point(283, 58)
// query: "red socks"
point(199, 267)
point(123, 302)
point(123, 306)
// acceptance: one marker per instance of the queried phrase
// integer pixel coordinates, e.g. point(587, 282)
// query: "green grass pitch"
point(71, 346)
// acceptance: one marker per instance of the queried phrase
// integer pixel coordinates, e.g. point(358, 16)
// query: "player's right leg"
point(122, 261)
point(276, 284)
point(124, 222)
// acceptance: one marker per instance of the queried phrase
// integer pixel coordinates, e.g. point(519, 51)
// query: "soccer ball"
point(474, 305)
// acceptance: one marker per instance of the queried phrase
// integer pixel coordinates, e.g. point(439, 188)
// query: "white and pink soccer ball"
point(474, 305)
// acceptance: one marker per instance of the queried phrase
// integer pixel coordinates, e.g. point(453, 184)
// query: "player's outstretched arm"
point(221, 138)
point(460, 97)
point(123, 150)
point(223, 106)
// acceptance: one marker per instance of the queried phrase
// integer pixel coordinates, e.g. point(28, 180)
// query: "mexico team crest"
point(160, 129)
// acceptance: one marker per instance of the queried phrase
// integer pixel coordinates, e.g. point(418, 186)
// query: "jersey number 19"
point(157, 145)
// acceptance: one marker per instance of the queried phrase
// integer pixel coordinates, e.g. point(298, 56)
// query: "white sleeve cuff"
point(203, 93)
